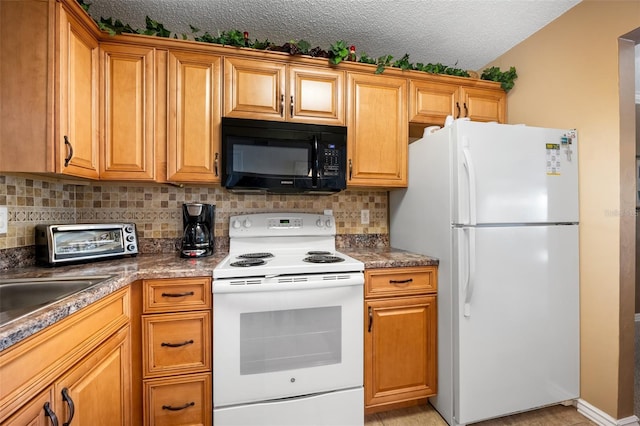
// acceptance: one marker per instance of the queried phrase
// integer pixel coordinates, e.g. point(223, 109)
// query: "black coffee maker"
point(197, 220)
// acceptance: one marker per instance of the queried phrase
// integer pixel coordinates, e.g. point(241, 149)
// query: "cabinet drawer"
point(176, 343)
point(182, 400)
point(174, 295)
point(400, 281)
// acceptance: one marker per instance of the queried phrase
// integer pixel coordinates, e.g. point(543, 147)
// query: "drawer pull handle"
point(170, 408)
point(370, 319)
point(72, 408)
point(177, 345)
point(410, 280)
point(48, 412)
point(186, 293)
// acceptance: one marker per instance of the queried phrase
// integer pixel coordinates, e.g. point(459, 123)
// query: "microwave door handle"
point(315, 166)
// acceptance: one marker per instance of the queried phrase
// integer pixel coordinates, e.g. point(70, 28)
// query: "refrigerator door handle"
point(471, 270)
point(471, 174)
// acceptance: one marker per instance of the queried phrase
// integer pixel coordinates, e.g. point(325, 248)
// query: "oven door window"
point(271, 159)
point(98, 241)
point(290, 339)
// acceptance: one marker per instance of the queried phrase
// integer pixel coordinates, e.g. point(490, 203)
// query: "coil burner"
point(263, 255)
point(323, 258)
point(248, 262)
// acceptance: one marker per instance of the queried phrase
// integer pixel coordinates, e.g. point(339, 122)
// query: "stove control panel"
point(280, 224)
point(285, 222)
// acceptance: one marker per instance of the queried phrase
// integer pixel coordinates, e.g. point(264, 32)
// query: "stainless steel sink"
point(20, 297)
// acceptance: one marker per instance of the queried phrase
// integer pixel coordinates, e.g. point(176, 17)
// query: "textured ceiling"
point(467, 34)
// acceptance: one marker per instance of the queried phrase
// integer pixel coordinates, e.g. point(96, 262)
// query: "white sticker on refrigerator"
point(553, 159)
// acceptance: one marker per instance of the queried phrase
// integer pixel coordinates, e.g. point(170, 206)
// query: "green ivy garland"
point(338, 52)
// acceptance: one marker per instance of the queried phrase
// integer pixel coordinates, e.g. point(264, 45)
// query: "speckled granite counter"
point(126, 271)
point(389, 258)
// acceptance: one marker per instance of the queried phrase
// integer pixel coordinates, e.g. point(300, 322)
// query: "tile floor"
point(426, 415)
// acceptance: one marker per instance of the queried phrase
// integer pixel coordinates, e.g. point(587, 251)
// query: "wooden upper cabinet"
point(267, 90)
point(77, 107)
point(316, 95)
point(127, 112)
point(254, 89)
point(378, 131)
point(484, 104)
point(194, 103)
point(48, 89)
point(431, 101)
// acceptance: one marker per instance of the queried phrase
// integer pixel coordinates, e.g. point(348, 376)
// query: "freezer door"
point(516, 319)
point(514, 174)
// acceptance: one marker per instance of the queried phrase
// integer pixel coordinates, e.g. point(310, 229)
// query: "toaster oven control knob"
point(247, 223)
point(131, 247)
point(328, 223)
point(130, 238)
point(319, 223)
point(128, 229)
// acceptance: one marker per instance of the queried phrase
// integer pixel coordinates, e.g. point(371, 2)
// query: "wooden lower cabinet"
point(176, 351)
point(96, 391)
point(84, 359)
point(400, 338)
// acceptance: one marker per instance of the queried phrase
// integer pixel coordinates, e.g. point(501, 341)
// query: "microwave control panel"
point(331, 166)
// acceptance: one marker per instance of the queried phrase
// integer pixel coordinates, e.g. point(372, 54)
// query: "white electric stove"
point(271, 244)
point(288, 320)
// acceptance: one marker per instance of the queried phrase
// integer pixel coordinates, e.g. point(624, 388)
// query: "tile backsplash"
point(156, 209)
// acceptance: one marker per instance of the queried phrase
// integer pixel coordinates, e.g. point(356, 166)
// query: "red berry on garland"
point(352, 53)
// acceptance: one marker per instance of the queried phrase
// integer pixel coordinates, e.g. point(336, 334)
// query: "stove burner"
point(318, 252)
point(248, 262)
point(255, 255)
point(323, 259)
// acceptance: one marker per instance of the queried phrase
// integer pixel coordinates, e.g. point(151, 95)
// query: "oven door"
point(278, 339)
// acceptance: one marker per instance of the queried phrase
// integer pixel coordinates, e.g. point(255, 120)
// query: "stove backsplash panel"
point(156, 209)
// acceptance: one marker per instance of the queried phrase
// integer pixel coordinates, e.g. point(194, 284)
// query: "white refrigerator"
point(498, 205)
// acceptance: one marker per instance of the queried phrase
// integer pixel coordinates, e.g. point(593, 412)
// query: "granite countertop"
point(127, 270)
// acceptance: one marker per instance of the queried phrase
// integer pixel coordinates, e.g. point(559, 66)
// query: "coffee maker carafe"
point(198, 223)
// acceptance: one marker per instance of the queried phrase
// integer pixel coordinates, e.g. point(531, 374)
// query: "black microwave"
point(283, 158)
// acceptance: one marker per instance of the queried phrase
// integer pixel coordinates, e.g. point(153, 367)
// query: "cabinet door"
point(432, 102)
point(37, 412)
point(484, 104)
point(316, 96)
point(378, 131)
point(194, 117)
point(400, 349)
point(254, 89)
point(97, 390)
point(77, 136)
point(127, 114)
